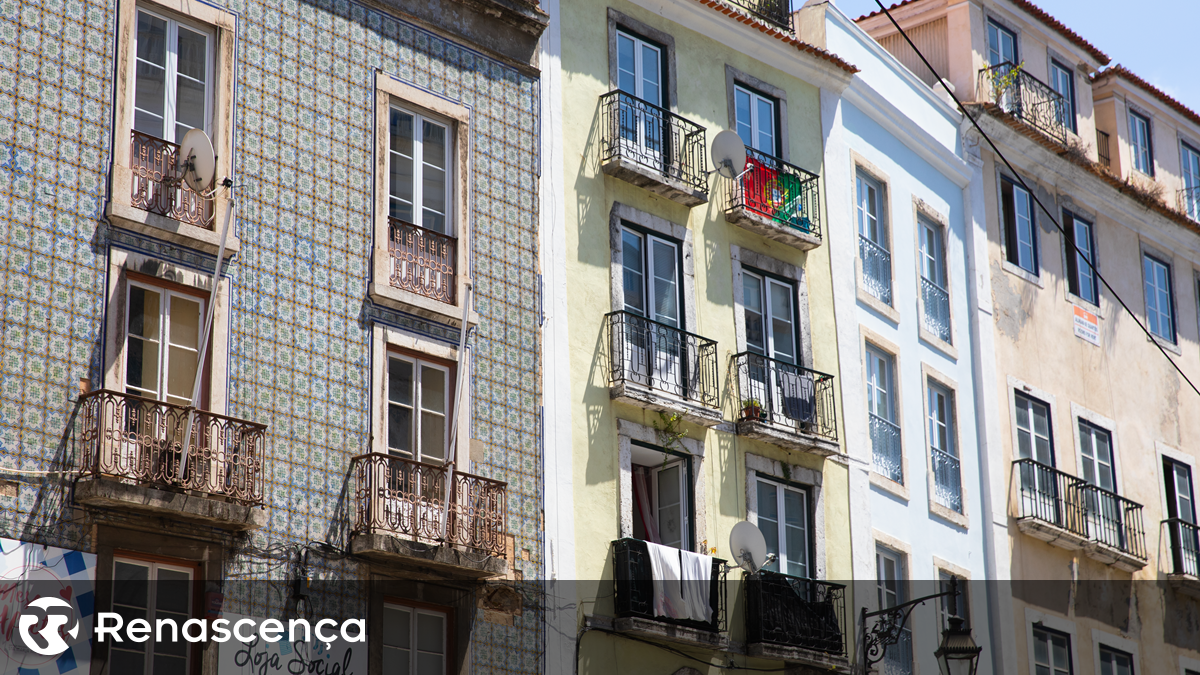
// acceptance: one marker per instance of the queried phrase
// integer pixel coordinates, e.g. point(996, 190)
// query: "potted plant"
point(752, 409)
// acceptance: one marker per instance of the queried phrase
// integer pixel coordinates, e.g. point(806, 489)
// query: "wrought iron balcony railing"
point(876, 269)
point(1086, 510)
point(1189, 202)
point(779, 191)
point(141, 441)
point(936, 303)
point(423, 261)
point(1102, 149)
point(947, 479)
point(1184, 538)
point(653, 138)
point(155, 187)
point(796, 612)
point(886, 453)
point(420, 501)
point(634, 583)
point(1025, 97)
point(659, 357)
point(778, 13)
point(782, 393)
point(1113, 520)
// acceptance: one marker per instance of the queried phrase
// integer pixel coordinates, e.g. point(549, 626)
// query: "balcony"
point(887, 456)
point(947, 479)
point(656, 366)
point(1073, 514)
point(133, 457)
point(1026, 98)
point(634, 600)
point(777, 200)
point(1184, 571)
point(776, 13)
point(797, 620)
point(935, 301)
point(653, 148)
point(156, 186)
point(429, 517)
point(422, 261)
point(876, 269)
point(1189, 202)
point(786, 405)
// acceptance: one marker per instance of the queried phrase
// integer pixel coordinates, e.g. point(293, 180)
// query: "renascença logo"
point(50, 634)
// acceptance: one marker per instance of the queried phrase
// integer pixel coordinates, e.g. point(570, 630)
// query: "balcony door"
point(171, 87)
point(1102, 509)
point(1181, 506)
point(654, 349)
point(1002, 56)
point(412, 487)
point(783, 518)
point(152, 591)
point(1039, 491)
point(662, 504)
point(891, 582)
point(784, 391)
point(640, 74)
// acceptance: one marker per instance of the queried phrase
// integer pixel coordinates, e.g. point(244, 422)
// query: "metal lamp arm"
point(887, 631)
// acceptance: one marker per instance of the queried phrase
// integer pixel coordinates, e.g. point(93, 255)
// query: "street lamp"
point(957, 655)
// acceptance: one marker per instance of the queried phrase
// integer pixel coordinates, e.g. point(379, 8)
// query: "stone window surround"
point(812, 479)
point(1031, 277)
point(627, 432)
point(1067, 203)
point(930, 376)
point(990, 16)
point(1101, 638)
point(859, 163)
point(741, 256)
point(1188, 664)
point(386, 340)
point(868, 337)
point(680, 234)
point(942, 565)
point(923, 210)
point(390, 90)
point(1095, 419)
point(618, 21)
point(1016, 386)
point(1054, 623)
point(734, 77)
point(1146, 248)
point(223, 25)
point(896, 545)
point(120, 261)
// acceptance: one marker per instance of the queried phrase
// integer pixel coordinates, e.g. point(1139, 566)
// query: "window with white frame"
point(873, 250)
point(419, 169)
point(1035, 444)
point(162, 343)
point(418, 403)
point(783, 518)
point(650, 266)
point(935, 298)
point(151, 591)
point(1160, 301)
point(881, 415)
point(1115, 661)
point(1139, 143)
point(1062, 80)
point(1002, 44)
point(1103, 512)
point(662, 505)
point(953, 606)
point(892, 589)
point(1191, 181)
point(947, 471)
point(172, 89)
point(1051, 652)
point(756, 120)
point(1033, 430)
point(414, 640)
point(769, 313)
point(1020, 235)
point(640, 74)
point(1081, 258)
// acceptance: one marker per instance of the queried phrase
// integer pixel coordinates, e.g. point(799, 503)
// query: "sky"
point(1158, 41)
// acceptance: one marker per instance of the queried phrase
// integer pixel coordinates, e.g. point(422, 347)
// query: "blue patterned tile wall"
point(300, 319)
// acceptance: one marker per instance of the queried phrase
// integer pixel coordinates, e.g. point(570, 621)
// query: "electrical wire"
point(667, 648)
point(1038, 201)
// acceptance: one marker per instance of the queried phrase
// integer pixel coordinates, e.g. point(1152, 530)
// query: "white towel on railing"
point(664, 573)
point(696, 571)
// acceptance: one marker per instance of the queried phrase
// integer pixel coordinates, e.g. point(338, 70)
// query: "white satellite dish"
point(197, 161)
point(749, 546)
point(728, 154)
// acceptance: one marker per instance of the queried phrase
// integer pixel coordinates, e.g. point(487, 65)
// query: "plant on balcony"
point(752, 409)
point(669, 434)
point(1008, 80)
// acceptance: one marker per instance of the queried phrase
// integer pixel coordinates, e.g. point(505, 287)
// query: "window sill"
point(126, 217)
point(949, 515)
point(937, 343)
point(669, 188)
point(878, 305)
point(405, 301)
point(749, 220)
point(645, 397)
point(1167, 345)
point(1023, 273)
point(890, 486)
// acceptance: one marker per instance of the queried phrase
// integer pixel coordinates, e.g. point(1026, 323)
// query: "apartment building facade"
point(358, 435)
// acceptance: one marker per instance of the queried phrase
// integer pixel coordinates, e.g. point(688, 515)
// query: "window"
point(1160, 303)
point(1081, 252)
point(1034, 439)
point(661, 496)
point(1139, 143)
point(1063, 81)
point(151, 591)
point(640, 74)
point(1181, 510)
point(1095, 447)
point(935, 299)
point(769, 312)
point(414, 640)
point(1002, 44)
point(1020, 238)
point(1039, 485)
point(172, 88)
point(783, 517)
point(1114, 662)
point(951, 606)
point(872, 236)
point(418, 403)
point(947, 473)
point(651, 276)
point(890, 582)
point(1191, 181)
point(881, 416)
point(163, 328)
point(1051, 652)
point(1103, 512)
point(418, 170)
point(756, 120)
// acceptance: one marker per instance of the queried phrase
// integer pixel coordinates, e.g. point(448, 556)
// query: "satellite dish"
point(197, 161)
point(729, 155)
point(748, 546)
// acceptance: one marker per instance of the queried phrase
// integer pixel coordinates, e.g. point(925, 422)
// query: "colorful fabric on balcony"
point(773, 193)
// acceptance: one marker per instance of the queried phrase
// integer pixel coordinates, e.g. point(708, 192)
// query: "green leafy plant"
point(1005, 81)
point(669, 432)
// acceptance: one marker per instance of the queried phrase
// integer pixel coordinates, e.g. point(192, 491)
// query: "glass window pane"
point(433, 389)
point(670, 525)
point(768, 517)
point(782, 330)
point(633, 277)
point(400, 168)
point(651, 72)
point(753, 312)
point(431, 631)
point(745, 122)
point(191, 81)
point(626, 65)
point(433, 436)
point(131, 584)
point(766, 127)
point(397, 625)
point(666, 298)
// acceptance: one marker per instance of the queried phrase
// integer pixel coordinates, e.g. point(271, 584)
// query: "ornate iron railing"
point(786, 610)
point(156, 186)
point(1087, 510)
point(423, 261)
point(1025, 97)
point(656, 356)
point(876, 269)
point(652, 137)
point(1113, 520)
point(886, 454)
point(634, 583)
point(778, 13)
point(1102, 149)
point(139, 440)
point(774, 189)
point(418, 501)
point(1189, 202)
point(936, 301)
point(782, 393)
point(1184, 538)
point(947, 479)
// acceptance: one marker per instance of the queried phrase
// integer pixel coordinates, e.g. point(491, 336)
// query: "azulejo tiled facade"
point(299, 318)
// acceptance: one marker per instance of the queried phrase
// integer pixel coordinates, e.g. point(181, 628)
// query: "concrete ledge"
point(184, 234)
point(644, 397)
point(1052, 534)
point(1110, 555)
point(772, 229)
point(655, 182)
point(1185, 584)
point(811, 661)
point(113, 494)
point(669, 632)
point(791, 438)
point(433, 560)
point(385, 294)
